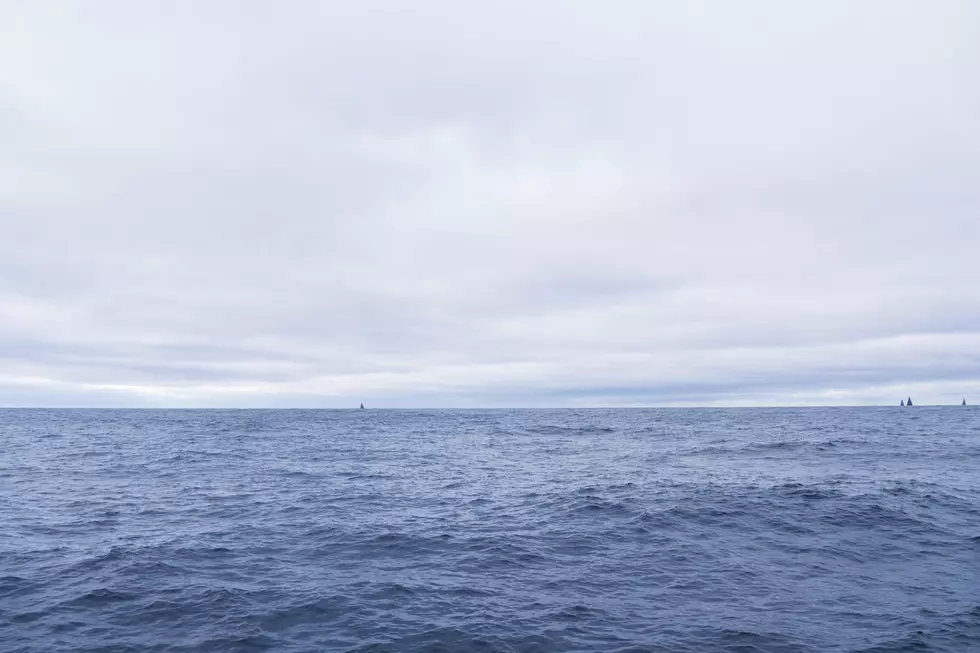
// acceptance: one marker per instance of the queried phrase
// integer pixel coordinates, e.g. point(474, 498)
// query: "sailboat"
point(909, 402)
point(964, 402)
point(362, 406)
point(903, 403)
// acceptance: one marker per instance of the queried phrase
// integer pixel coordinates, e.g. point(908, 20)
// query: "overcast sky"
point(450, 203)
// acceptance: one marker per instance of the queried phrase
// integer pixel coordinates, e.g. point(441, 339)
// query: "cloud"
point(436, 203)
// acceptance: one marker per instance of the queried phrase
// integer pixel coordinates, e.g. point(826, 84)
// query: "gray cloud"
point(440, 203)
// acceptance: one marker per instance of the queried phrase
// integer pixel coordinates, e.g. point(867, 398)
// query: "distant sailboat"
point(903, 403)
point(362, 406)
point(964, 402)
point(909, 402)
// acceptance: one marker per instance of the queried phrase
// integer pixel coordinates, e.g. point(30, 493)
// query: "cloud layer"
point(477, 204)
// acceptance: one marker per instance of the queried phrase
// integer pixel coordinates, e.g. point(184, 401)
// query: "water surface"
point(576, 530)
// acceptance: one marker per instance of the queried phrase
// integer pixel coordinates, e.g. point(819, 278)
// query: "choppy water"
point(594, 530)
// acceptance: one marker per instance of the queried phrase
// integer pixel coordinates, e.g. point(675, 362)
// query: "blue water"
point(581, 530)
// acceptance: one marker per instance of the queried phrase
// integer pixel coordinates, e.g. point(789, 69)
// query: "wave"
point(557, 429)
point(14, 585)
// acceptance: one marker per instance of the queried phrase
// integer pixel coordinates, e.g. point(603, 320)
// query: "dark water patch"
point(911, 643)
point(774, 447)
point(98, 597)
point(858, 513)
point(811, 492)
point(14, 585)
point(576, 430)
point(365, 476)
point(744, 641)
point(307, 610)
point(595, 506)
point(490, 551)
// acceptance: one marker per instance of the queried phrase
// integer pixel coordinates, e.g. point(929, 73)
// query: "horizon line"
point(458, 408)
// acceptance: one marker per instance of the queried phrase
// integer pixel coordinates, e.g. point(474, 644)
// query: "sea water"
point(838, 529)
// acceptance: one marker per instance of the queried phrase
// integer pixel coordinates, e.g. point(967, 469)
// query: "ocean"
point(732, 530)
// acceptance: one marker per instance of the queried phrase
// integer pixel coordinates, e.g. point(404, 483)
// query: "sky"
point(439, 203)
